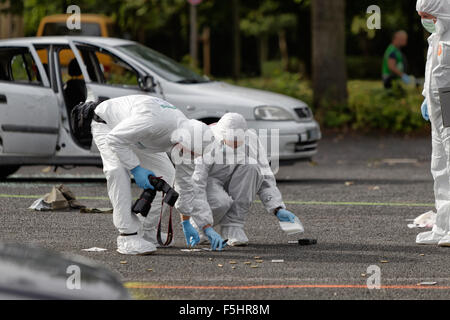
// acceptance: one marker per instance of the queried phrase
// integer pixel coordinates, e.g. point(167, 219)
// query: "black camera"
point(144, 203)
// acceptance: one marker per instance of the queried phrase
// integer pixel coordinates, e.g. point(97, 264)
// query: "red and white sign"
point(195, 2)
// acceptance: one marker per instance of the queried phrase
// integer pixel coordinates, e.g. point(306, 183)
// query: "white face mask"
point(429, 25)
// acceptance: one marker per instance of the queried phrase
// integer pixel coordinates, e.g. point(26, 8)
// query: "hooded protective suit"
point(139, 130)
point(437, 75)
point(226, 187)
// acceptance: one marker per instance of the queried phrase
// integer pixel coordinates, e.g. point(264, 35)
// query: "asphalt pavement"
point(356, 198)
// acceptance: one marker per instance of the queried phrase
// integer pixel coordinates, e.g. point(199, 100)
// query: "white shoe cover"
point(235, 235)
point(150, 236)
point(134, 245)
point(445, 241)
point(429, 237)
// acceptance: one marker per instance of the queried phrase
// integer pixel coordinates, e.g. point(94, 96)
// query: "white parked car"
point(42, 79)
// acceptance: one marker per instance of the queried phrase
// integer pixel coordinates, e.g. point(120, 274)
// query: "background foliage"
point(164, 26)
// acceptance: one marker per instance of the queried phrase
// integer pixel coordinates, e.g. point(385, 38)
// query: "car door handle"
point(190, 108)
point(3, 99)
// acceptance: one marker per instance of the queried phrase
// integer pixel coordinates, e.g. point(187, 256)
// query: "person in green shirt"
point(393, 61)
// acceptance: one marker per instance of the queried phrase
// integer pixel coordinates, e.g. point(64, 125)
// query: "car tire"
point(5, 171)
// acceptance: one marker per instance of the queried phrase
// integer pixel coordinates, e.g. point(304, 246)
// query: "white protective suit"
point(437, 75)
point(139, 130)
point(227, 188)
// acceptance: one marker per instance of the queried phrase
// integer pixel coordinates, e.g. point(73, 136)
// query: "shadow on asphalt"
point(326, 252)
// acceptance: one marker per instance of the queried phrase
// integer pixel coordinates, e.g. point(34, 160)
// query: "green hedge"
point(370, 107)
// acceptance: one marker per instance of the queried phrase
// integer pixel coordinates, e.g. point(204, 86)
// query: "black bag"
point(81, 119)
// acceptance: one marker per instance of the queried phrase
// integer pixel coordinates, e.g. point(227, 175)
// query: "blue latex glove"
point(191, 235)
point(285, 216)
point(141, 177)
point(406, 79)
point(217, 243)
point(424, 109)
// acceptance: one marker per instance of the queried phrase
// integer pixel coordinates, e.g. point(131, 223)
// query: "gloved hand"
point(191, 235)
point(217, 243)
point(285, 216)
point(141, 177)
point(406, 78)
point(424, 109)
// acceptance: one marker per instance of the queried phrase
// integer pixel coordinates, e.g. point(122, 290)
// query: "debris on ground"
point(349, 183)
point(259, 261)
point(46, 169)
point(278, 261)
point(96, 210)
point(303, 242)
point(94, 249)
point(374, 188)
point(233, 262)
point(247, 263)
point(307, 242)
point(123, 262)
point(149, 270)
point(427, 283)
point(59, 198)
point(393, 162)
point(426, 220)
point(254, 266)
point(191, 250)
point(313, 164)
point(220, 265)
point(384, 261)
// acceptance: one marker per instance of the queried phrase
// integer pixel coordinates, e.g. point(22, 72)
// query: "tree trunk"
point(329, 65)
point(236, 39)
point(193, 35)
point(282, 42)
point(206, 39)
point(263, 50)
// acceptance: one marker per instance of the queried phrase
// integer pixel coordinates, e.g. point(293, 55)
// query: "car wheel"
point(5, 171)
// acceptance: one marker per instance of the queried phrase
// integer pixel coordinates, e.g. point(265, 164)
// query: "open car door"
point(29, 113)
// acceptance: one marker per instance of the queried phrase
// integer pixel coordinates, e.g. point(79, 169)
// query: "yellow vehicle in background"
point(94, 25)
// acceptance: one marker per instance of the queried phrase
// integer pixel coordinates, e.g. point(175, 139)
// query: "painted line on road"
point(22, 196)
point(364, 204)
point(139, 285)
point(311, 203)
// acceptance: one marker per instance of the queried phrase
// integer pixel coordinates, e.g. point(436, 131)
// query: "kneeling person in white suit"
point(228, 189)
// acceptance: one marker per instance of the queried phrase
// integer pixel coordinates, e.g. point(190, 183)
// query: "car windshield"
point(162, 65)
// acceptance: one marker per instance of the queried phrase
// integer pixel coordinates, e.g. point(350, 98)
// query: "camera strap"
point(170, 226)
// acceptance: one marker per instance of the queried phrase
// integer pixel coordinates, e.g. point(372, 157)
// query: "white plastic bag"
point(292, 228)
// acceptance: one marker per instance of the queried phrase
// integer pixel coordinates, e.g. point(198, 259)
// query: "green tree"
point(265, 21)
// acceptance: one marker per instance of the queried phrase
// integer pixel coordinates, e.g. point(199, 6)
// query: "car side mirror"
point(147, 83)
